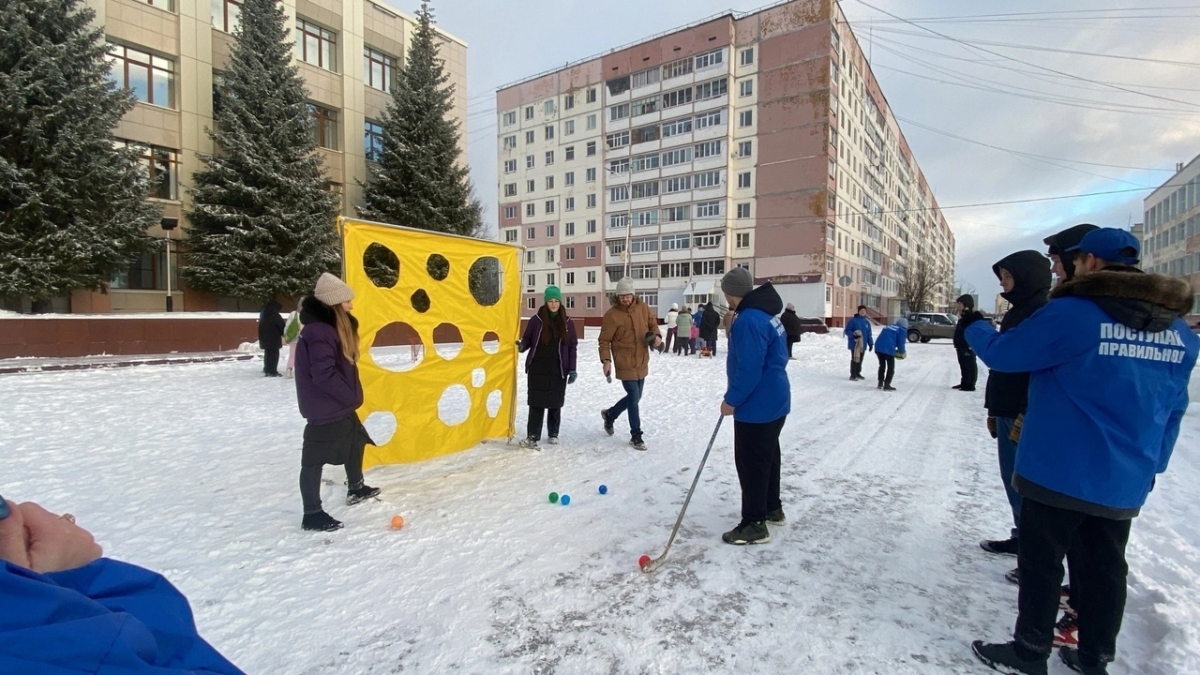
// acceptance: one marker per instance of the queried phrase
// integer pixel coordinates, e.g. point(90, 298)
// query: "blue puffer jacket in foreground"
point(756, 366)
point(892, 339)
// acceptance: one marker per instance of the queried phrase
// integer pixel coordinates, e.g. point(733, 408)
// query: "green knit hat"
point(552, 293)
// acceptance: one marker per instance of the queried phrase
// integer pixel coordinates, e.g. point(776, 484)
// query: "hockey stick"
point(652, 565)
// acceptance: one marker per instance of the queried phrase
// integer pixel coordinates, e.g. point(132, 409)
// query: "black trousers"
point(757, 457)
point(1097, 577)
point(341, 442)
point(271, 360)
point(534, 428)
point(792, 339)
point(969, 368)
point(887, 367)
point(855, 367)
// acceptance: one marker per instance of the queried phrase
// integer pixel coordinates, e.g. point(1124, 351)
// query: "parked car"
point(813, 326)
point(925, 326)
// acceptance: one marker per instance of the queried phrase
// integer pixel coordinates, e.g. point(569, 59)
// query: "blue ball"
point(603, 489)
point(565, 499)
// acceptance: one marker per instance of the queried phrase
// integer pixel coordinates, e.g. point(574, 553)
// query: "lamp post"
point(169, 224)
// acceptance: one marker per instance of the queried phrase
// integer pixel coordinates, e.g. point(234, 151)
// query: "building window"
point(379, 69)
point(549, 182)
point(568, 127)
point(151, 79)
point(373, 144)
point(530, 210)
point(529, 137)
point(590, 174)
point(711, 90)
point(530, 185)
point(570, 278)
point(591, 227)
point(510, 118)
point(744, 179)
point(745, 148)
point(569, 253)
point(747, 57)
point(708, 179)
point(708, 149)
point(591, 95)
point(591, 122)
point(743, 210)
point(569, 102)
point(677, 127)
point(645, 189)
point(226, 14)
point(618, 112)
point(550, 231)
point(677, 68)
point(710, 209)
point(591, 255)
point(677, 98)
point(528, 112)
point(710, 119)
point(510, 142)
point(569, 231)
point(676, 214)
point(676, 242)
point(570, 152)
point(676, 184)
point(510, 212)
point(549, 157)
point(746, 88)
point(147, 272)
point(548, 107)
point(510, 236)
point(618, 220)
point(532, 302)
point(570, 204)
point(510, 190)
point(617, 140)
point(510, 166)
point(315, 45)
point(746, 118)
point(708, 267)
point(325, 129)
point(550, 256)
point(591, 150)
point(549, 206)
point(569, 178)
point(550, 132)
point(591, 299)
point(161, 166)
point(619, 193)
point(680, 156)
point(529, 162)
point(530, 233)
point(711, 59)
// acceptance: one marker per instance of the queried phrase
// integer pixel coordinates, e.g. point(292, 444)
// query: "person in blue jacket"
point(1109, 359)
point(858, 322)
point(759, 397)
point(888, 348)
point(69, 611)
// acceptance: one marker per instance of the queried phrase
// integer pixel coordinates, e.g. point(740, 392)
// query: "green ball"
point(553, 497)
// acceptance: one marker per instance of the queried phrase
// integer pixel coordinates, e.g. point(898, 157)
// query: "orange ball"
point(397, 522)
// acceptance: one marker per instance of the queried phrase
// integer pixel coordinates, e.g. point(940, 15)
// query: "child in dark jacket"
point(550, 366)
point(329, 392)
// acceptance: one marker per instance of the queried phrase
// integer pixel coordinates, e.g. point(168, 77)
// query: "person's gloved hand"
point(901, 355)
point(870, 348)
point(521, 348)
point(991, 425)
point(571, 377)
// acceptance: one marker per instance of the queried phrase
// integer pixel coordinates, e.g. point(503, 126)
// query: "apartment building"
point(1170, 233)
point(755, 139)
point(170, 54)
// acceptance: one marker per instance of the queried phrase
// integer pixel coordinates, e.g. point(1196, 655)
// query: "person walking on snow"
point(697, 319)
point(967, 366)
point(1025, 278)
point(1110, 359)
point(861, 323)
point(791, 324)
point(758, 395)
point(627, 333)
point(683, 332)
point(672, 331)
point(551, 342)
point(709, 325)
point(889, 347)
point(329, 392)
point(270, 336)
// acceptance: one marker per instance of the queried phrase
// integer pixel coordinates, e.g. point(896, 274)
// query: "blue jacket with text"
point(857, 322)
point(756, 366)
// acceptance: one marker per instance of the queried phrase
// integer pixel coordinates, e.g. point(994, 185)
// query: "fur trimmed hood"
point(1148, 302)
point(313, 310)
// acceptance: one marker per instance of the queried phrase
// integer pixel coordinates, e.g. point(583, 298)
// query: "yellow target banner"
point(445, 312)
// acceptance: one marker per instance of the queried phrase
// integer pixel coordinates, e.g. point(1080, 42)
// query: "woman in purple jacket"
point(329, 393)
point(550, 366)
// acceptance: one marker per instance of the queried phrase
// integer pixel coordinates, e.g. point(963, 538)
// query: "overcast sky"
point(1048, 84)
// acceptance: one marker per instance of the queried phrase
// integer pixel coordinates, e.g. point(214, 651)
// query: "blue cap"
point(1111, 244)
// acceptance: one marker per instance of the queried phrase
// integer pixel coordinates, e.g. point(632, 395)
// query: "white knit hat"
point(625, 286)
point(332, 291)
point(675, 306)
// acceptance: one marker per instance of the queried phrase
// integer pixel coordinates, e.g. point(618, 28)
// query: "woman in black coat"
point(550, 366)
point(708, 328)
point(270, 336)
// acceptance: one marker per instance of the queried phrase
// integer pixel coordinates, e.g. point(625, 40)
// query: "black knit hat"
point(966, 301)
point(1067, 238)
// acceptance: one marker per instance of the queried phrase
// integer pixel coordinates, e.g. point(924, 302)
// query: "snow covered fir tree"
point(262, 222)
point(72, 209)
point(418, 180)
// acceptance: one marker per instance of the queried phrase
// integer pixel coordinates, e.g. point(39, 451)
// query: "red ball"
point(643, 560)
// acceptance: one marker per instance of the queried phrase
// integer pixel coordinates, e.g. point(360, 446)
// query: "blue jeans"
point(1007, 450)
point(633, 394)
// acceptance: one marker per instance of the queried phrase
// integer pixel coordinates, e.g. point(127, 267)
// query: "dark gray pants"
point(340, 442)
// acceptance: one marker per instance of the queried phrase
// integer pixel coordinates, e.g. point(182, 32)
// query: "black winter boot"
point(320, 522)
point(1000, 546)
point(1070, 656)
point(748, 533)
point(1003, 657)
point(361, 494)
point(776, 517)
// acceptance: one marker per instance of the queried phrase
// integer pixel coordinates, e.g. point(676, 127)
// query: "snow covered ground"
point(192, 470)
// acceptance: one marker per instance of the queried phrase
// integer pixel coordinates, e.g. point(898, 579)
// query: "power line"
point(1027, 63)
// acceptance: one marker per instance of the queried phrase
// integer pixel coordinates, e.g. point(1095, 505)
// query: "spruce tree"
point(72, 206)
point(418, 181)
point(262, 223)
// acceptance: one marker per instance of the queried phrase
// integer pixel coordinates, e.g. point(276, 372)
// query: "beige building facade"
point(1170, 233)
point(170, 54)
point(756, 139)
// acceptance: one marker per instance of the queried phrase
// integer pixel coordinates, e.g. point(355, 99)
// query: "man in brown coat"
point(624, 340)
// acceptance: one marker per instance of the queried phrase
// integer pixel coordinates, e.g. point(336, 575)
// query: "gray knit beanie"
point(737, 282)
point(332, 291)
point(625, 286)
